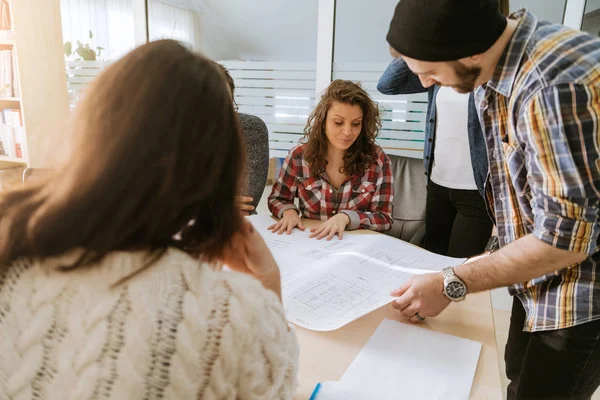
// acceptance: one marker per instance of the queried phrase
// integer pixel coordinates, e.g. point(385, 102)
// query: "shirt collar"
point(506, 70)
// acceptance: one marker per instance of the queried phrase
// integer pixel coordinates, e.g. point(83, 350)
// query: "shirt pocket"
point(361, 196)
point(310, 193)
point(519, 187)
point(517, 170)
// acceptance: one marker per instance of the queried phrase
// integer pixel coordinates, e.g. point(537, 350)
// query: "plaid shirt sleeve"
point(560, 128)
point(285, 188)
point(379, 216)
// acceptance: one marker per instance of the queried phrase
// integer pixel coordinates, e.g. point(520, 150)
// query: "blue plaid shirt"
point(540, 114)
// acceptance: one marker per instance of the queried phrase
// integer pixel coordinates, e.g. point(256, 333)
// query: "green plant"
point(83, 50)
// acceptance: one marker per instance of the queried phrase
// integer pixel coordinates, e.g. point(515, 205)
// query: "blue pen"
point(315, 392)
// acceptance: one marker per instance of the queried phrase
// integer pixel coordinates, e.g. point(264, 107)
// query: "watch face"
point(455, 290)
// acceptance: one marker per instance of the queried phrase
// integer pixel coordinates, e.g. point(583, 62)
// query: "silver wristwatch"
point(454, 288)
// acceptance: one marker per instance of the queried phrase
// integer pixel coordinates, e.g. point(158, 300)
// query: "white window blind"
point(280, 93)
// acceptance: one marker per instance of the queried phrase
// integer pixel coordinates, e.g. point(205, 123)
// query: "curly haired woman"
point(338, 173)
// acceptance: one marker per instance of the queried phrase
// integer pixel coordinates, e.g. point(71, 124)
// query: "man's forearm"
point(520, 261)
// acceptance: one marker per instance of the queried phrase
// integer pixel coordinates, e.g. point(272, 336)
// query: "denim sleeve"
point(399, 79)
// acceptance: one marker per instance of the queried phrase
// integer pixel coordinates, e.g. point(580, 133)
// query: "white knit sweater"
point(177, 330)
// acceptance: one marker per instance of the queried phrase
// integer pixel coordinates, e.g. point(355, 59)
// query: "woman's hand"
point(333, 226)
point(244, 204)
point(289, 220)
point(249, 254)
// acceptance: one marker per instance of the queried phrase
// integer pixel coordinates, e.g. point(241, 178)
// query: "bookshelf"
point(12, 151)
point(10, 102)
point(36, 97)
point(7, 162)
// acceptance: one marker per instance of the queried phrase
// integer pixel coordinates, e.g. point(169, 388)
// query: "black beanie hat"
point(445, 30)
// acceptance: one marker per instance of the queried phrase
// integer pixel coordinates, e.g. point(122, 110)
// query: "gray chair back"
point(410, 193)
point(256, 139)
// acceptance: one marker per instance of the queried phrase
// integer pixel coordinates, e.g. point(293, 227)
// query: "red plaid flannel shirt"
point(366, 199)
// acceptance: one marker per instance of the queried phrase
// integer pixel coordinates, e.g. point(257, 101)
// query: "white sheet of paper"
point(328, 284)
point(402, 361)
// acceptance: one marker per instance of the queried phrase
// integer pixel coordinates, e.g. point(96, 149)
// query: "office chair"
point(410, 193)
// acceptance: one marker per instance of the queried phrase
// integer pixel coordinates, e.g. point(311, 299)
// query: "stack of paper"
point(401, 361)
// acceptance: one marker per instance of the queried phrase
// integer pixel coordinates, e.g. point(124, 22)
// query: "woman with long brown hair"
point(110, 283)
point(339, 174)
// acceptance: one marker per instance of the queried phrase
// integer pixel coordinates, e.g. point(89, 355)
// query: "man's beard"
point(466, 76)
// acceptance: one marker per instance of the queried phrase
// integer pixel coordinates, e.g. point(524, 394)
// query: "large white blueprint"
point(326, 285)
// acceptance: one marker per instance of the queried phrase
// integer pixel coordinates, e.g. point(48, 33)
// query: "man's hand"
point(422, 294)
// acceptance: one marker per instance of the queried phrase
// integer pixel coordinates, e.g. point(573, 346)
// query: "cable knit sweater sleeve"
point(268, 350)
point(243, 346)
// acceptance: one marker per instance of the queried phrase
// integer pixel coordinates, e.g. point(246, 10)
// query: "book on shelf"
point(5, 23)
point(8, 141)
point(6, 134)
point(12, 134)
point(19, 139)
point(9, 82)
point(12, 117)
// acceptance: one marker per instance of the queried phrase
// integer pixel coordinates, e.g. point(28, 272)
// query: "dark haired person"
point(256, 139)
point(537, 89)
point(106, 288)
point(339, 174)
point(456, 163)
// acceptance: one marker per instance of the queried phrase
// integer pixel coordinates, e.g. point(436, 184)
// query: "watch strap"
point(448, 272)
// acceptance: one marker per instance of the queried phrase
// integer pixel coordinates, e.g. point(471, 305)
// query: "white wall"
point(360, 30)
point(354, 42)
point(549, 10)
point(592, 5)
point(277, 30)
point(591, 25)
point(257, 30)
